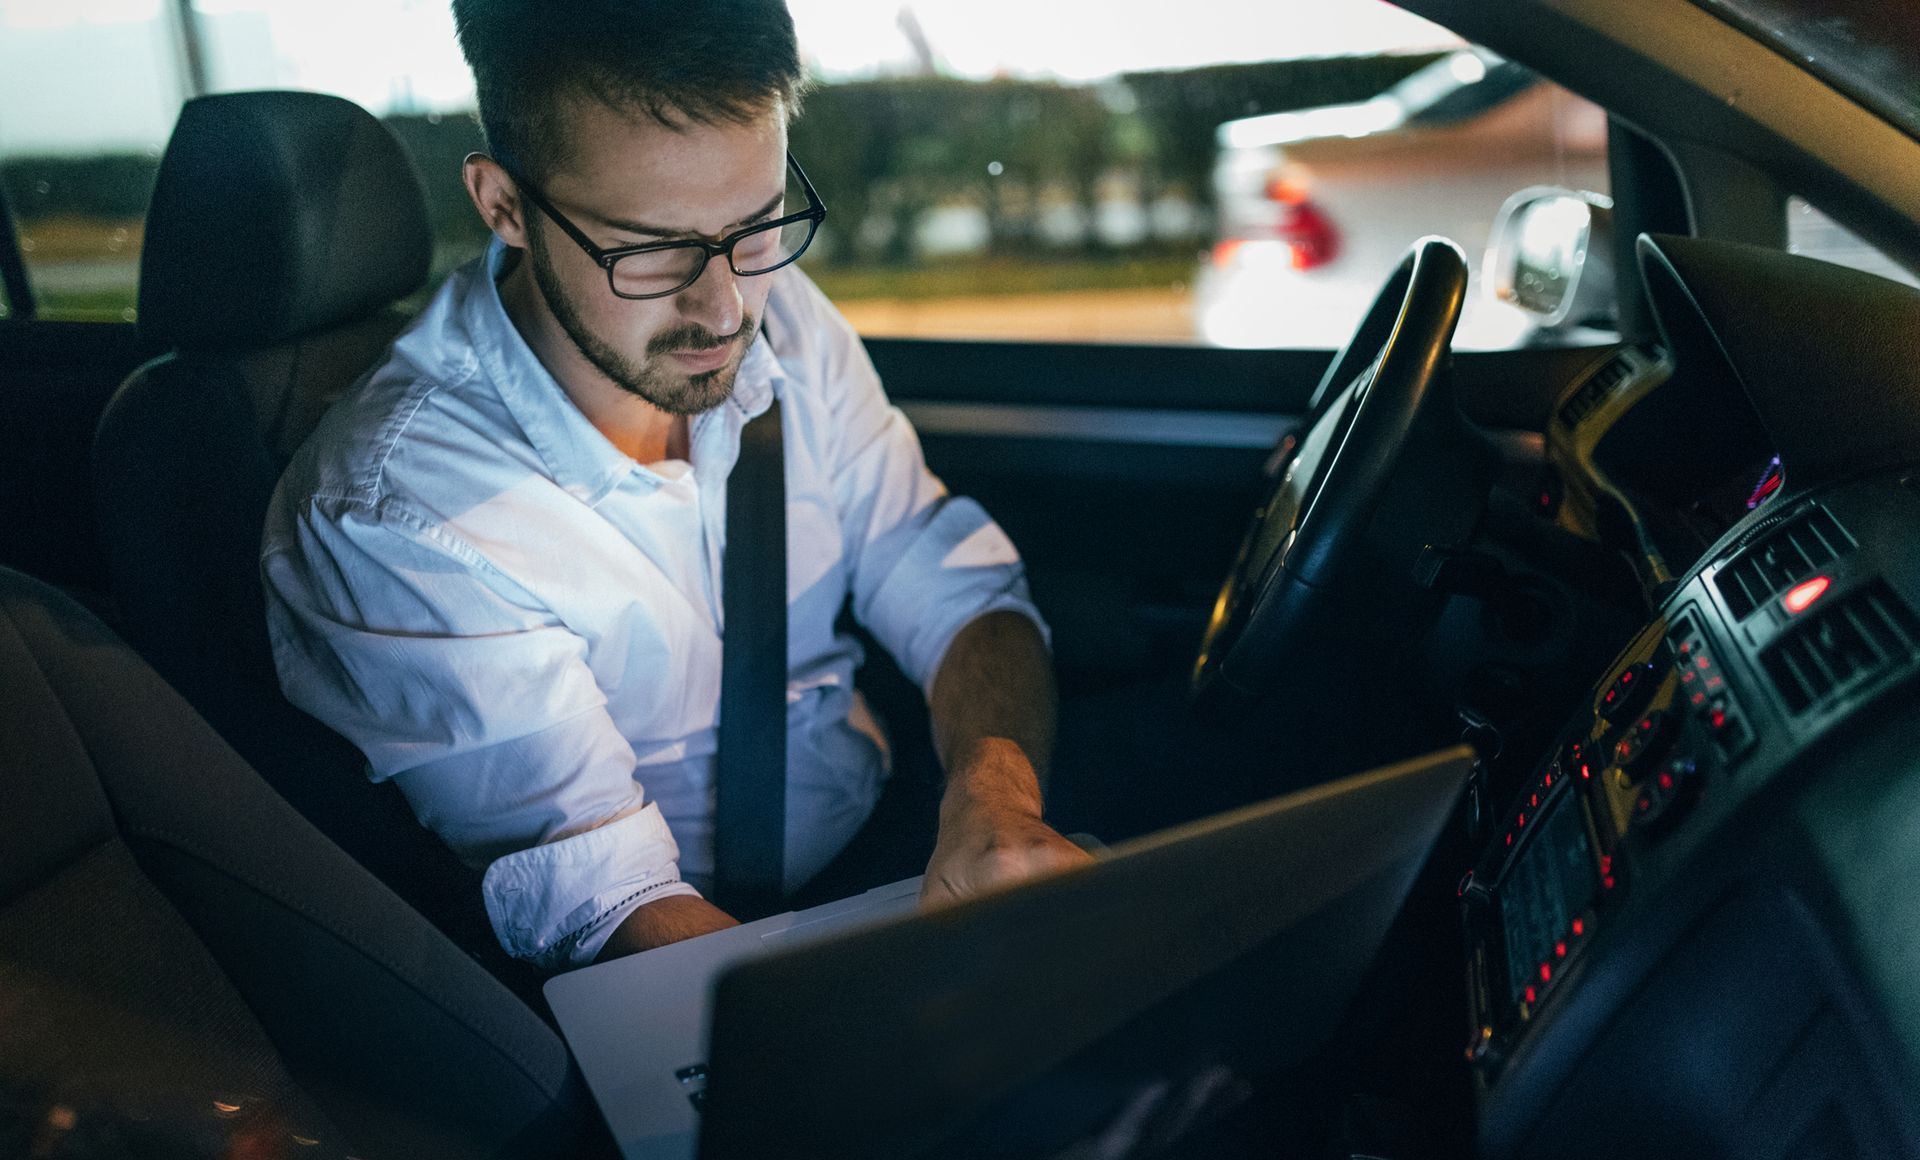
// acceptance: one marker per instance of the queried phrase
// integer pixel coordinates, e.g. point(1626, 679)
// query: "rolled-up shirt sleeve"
point(480, 706)
point(924, 563)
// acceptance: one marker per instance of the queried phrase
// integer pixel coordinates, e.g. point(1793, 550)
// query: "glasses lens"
point(655, 271)
point(767, 249)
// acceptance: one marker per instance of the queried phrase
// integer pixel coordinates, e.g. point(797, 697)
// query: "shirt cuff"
point(590, 940)
point(546, 901)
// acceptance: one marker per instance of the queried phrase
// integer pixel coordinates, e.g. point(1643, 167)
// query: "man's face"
point(630, 181)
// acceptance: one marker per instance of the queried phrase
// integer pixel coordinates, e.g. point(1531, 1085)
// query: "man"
point(496, 564)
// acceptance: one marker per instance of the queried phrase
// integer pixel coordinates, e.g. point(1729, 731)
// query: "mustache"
point(692, 338)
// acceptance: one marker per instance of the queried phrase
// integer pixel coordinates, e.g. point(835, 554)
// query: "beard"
point(654, 380)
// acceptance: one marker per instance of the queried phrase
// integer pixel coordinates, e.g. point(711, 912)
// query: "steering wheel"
point(1321, 557)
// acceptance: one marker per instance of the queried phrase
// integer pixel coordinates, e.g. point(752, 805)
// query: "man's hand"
point(993, 706)
point(666, 920)
point(991, 834)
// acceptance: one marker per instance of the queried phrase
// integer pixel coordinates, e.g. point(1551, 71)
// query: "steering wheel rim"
point(1328, 477)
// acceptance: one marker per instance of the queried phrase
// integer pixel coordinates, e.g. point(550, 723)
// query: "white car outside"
point(1382, 173)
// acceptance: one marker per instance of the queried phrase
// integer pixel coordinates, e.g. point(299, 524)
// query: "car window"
point(88, 93)
point(1123, 190)
point(1814, 234)
point(89, 90)
point(1068, 181)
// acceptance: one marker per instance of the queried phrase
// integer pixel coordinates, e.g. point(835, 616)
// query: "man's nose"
point(713, 300)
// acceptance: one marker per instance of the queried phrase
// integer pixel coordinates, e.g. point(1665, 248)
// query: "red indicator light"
point(1509, 839)
point(1686, 646)
point(1703, 661)
point(1686, 678)
point(1768, 485)
point(1530, 994)
point(1522, 822)
point(1606, 863)
point(1579, 927)
point(1546, 973)
point(1626, 678)
point(1715, 682)
point(1559, 950)
point(1586, 772)
point(1533, 799)
point(1698, 698)
point(1666, 781)
point(1549, 781)
point(1801, 596)
point(1717, 719)
point(1644, 804)
point(1607, 882)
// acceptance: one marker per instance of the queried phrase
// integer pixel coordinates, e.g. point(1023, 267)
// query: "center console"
point(1796, 632)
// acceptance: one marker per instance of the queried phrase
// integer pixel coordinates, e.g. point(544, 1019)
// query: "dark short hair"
point(677, 61)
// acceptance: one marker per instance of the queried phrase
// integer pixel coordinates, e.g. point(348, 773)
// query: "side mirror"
point(1551, 255)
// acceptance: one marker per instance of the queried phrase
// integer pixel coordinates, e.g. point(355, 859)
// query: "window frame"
point(14, 283)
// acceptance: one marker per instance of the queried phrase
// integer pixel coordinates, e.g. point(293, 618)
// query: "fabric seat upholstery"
point(173, 935)
point(282, 229)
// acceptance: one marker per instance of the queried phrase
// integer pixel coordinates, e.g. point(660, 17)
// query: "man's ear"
point(497, 198)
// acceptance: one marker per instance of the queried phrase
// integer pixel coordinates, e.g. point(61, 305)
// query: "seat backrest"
point(283, 227)
point(183, 957)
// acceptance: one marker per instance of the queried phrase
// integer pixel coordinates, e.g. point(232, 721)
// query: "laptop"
point(865, 1028)
point(638, 1025)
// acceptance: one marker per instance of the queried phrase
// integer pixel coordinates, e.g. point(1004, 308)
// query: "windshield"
point(1869, 48)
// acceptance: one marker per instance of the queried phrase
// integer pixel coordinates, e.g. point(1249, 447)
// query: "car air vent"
point(1595, 390)
point(1788, 554)
point(1843, 647)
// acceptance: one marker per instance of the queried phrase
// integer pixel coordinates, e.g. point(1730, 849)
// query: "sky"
point(83, 75)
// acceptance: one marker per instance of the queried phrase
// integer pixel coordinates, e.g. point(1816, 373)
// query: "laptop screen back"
point(891, 1040)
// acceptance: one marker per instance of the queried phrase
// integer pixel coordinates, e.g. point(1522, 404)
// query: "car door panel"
point(1126, 474)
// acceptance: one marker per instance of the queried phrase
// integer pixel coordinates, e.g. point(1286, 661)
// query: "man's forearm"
point(993, 704)
point(667, 920)
point(993, 711)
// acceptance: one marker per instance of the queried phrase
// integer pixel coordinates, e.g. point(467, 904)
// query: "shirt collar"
point(577, 456)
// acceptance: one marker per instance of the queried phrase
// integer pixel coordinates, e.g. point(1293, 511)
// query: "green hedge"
point(888, 148)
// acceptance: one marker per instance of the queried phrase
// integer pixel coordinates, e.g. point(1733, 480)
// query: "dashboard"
point(1692, 929)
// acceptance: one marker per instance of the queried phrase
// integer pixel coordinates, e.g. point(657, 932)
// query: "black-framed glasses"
point(657, 269)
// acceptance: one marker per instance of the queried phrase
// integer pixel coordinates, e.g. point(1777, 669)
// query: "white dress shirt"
point(521, 625)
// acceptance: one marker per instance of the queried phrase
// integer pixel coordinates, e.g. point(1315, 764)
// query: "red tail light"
point(1310, 234)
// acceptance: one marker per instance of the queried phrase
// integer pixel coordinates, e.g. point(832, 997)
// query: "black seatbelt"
point(750, 815)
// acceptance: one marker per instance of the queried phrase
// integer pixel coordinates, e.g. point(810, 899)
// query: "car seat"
point(189, 968)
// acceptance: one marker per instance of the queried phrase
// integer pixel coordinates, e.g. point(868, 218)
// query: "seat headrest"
point(276, 214)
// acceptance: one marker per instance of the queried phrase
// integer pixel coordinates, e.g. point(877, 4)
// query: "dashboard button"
point(1645, 743)
point(1666, 796)
point(1630, 692)
point(1729, 730)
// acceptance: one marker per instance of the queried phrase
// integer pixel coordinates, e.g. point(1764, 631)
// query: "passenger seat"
point(187, 968)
